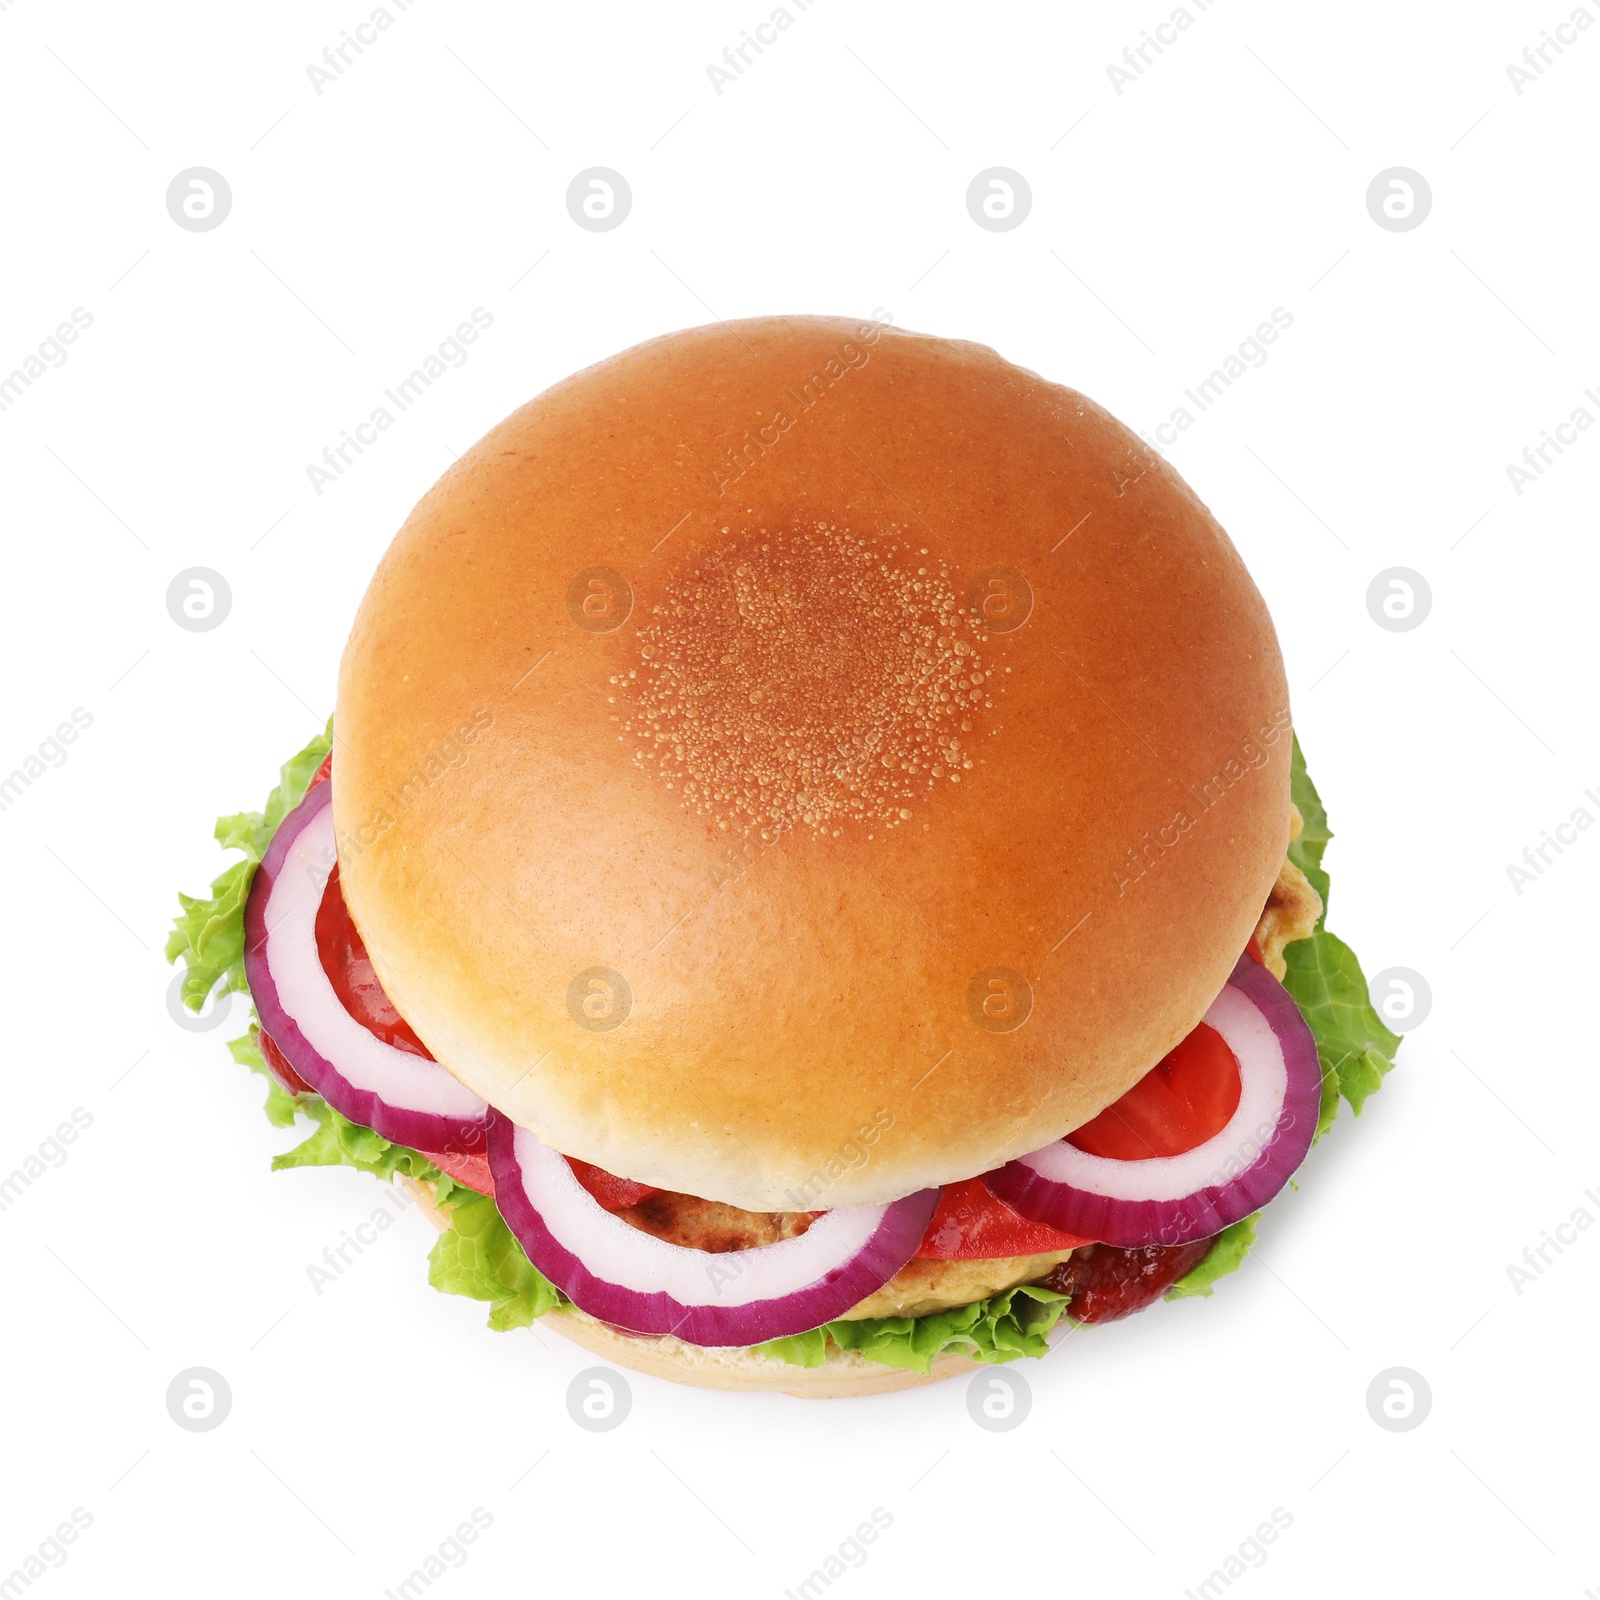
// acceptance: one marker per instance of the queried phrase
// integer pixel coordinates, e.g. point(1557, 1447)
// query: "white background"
point(1167, 221)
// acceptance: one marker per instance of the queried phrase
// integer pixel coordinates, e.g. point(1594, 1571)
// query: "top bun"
point(797, 762)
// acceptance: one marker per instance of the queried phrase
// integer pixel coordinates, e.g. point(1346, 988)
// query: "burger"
point(810, 879)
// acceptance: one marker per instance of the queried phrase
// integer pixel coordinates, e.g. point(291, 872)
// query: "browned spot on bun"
point(807, 675)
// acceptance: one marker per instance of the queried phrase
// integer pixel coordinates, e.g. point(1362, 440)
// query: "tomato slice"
point(1180, 1102)
point(344, 958)
point(349, 969)
point(972, 1225)
point(1253, 950)
point(278, 1064)
point(471, 1171)
point(614, 1193)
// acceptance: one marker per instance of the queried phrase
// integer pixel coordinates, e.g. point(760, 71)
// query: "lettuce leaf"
point(1225, 1256)
point(1354, 1046)
point(338, 1142)
point(1306, 851)
point(209, 933)
point(1326, 981)
point(479, 1257)
point(246, 1050)
point(1014, 1323)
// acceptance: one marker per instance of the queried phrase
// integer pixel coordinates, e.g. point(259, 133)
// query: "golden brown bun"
point(510, 820)
point(842, 1372)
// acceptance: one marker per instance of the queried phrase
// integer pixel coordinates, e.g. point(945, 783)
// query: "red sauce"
point(1106, 1283)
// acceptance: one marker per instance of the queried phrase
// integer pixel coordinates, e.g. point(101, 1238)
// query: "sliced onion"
point(404, 1097)
point(1171, 1199)
point(644, 1285)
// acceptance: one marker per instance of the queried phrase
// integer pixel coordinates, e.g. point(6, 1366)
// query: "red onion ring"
point(1169, 1200)
point(405, 1098)
point(642, 1284)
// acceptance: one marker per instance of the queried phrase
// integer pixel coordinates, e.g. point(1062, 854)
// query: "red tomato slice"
point(1180, 1102)
point(278, 1064)
point(614, 1193)
point(349, 970)
point(1253, 950)
point(472, 1172)
point(972, 1225)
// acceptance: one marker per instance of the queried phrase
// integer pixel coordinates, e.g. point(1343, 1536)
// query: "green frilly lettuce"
point(1013, 1323)
point(477, 1255)
point(1326, 980)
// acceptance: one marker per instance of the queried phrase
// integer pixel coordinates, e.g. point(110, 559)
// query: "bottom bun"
point(842, 1372)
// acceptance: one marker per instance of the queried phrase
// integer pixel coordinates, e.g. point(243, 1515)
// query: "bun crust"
point(907, 738)
point(842, 1373)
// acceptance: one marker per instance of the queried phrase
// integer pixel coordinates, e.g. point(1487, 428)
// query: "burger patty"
point(921, 1287)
